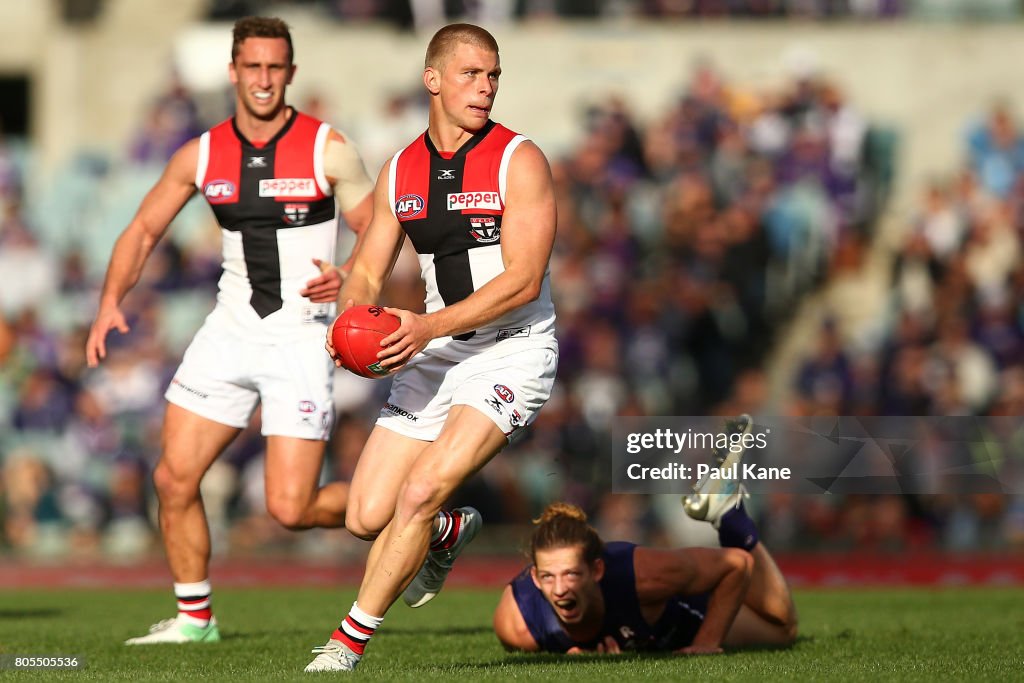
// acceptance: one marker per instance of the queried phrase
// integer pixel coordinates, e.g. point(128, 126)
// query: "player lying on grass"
point(583, 595)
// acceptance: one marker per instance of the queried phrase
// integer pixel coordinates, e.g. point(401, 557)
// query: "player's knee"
point(506, 642)
point(172, 487)
point(366, 517)
point(361, 527)
point(790, 624)
point(740, 561)
point(790, 630)
point(290, 514)
point(421, 498)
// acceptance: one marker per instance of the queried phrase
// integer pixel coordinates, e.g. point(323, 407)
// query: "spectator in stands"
point(996, 150)
point(171, 121)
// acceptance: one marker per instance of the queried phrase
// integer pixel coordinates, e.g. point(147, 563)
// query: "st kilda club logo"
point(484, 229)
point(295, 214)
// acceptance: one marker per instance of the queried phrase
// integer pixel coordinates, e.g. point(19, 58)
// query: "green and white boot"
point(178, 630)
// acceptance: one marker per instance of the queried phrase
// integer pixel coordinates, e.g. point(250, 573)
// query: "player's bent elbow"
point(530, 292)
point(505, 641)
point(513, 647)
point(510, 628)
point(513, 640)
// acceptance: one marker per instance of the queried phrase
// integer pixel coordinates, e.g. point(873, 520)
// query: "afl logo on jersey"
point(408, 205)
point(484, 229)
point(504, 393)
point(217, 191)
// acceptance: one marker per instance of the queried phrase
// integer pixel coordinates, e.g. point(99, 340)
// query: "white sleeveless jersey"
point(277, 213)
point(451, 208)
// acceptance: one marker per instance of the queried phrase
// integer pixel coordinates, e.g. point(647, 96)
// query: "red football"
point(356, 338)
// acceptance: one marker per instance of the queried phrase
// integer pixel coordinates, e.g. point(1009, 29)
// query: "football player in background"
point(275, 179)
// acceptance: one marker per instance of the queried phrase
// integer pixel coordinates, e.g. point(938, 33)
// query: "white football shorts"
point(223, 377)
point(509, 389)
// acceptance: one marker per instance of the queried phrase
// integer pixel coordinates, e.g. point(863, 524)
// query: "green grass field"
point(869, 635)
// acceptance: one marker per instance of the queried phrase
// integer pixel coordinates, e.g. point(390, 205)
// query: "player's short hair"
point(563, 525)
point(444, 42)
point(260, 27)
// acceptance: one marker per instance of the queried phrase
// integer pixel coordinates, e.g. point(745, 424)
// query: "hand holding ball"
point(356, 339)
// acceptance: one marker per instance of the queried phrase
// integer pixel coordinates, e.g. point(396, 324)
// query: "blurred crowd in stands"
point(684, 246)
point(418, 13)
point(952, 340)
point(408, 13)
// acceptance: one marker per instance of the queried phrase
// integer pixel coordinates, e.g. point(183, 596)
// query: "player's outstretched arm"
point(723, 572)
point(133, 247)
point(527, 236)
point(376, 256)
point(378, 253)
point(510, 627)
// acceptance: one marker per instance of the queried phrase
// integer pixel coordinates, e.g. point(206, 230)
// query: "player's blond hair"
point(563, 525)
point(444, 42)
point(260, 27)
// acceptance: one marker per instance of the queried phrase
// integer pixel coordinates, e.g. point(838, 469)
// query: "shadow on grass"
point(533, 659)
point(800, 640)
point(36, 613)
point(384, 635)
point(548, 658)
point(626, 658)
point(418, 632)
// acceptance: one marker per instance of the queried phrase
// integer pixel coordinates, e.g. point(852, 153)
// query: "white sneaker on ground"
point(428, 582)
point(178, 630)
point(334, 656)
point(712, 497)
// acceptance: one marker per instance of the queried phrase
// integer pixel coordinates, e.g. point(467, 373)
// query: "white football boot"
point(713, 497)
point(428, 582)
point(334, 656)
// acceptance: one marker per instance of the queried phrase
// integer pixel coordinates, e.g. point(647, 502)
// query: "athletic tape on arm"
point(343, 164)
